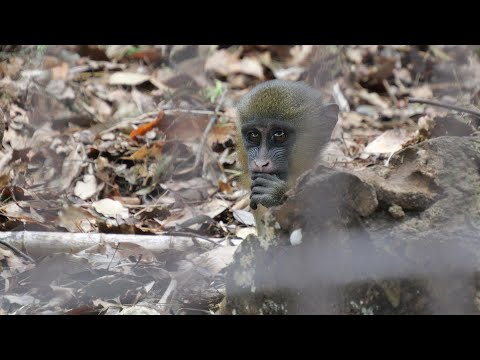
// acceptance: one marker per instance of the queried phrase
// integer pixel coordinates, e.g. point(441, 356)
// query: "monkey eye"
point(279, 136)
point(253, 136)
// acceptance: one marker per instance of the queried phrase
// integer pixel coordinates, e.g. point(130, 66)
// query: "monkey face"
point(269, 146)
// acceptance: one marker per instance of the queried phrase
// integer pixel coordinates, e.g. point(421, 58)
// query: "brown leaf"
point(60, 72)
point(224, 187)
point(389, 142)
point(225, 63)
point(221, 133)
point(154, 151)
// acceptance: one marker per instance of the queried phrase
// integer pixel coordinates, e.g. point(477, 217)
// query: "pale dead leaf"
point(60, 90)
point(13, 262)
point(243, 232)
point(110, 208)
point(76, 219)
point(195, 183)
point(423, 92)
point(22, 300)
point(143, 101)
point(214, 207)
point(60, 72)
point(403, 75)
point(102, 108)
point(127, 78)
point(72, 166)
point(216, 259)
point(13, 210)
point(300, 54)
point(87, 188)
point(36, 216)
point(11, 67)
point(354, 55)
point(117, 51)
point(139, 310)
point(210, 208)
point(244, 217)
point(226, 63)
point(389, 142)
point(291, 73)
point(373, 98)
point(62, 295)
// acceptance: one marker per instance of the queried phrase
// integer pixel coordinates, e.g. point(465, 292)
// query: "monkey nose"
point(262, 164)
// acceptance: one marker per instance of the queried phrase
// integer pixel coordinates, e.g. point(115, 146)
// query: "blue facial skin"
point(268, 144)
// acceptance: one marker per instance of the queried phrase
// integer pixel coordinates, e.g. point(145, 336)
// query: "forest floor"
point(140, 140)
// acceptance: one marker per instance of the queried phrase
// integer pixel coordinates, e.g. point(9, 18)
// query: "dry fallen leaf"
point(139, 310)
point(244, 217)
point(243, 232)
point(423, 92)
point(87, 188)
point(127, 78)
point(143, 129)
point(72, 166)
point(110, 208)
point(221, 133)
point(76, 219)
point(215, 260)
point(60, 72)
point(225, 63)
point(389, 142)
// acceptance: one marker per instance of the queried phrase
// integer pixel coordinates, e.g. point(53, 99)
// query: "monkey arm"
point(267, 190)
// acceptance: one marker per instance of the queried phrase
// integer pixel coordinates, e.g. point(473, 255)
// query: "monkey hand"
point(268, 190)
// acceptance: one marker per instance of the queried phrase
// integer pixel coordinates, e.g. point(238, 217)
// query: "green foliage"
point(212, 93)
point(133, 50)
point(41, 49)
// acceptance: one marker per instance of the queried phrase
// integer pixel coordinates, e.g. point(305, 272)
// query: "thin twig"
point(212, 121)
point(448, 106)
point(200, 112)
point(190, 234)
point(345, 144)
point(16, 251)
point(171, 287)
point(114, 253)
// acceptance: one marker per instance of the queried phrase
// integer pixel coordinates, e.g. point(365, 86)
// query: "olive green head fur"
point(280, 100)
point(299, 105)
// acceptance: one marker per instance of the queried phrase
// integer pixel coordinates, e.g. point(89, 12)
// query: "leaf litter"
point(108, 139)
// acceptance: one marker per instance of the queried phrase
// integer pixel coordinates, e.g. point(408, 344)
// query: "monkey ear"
point(329, 116)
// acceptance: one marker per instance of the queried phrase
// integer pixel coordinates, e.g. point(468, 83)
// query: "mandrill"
point(282, 128)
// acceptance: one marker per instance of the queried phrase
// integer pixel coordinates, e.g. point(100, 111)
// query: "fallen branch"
point(447, 106)
point(38, 244)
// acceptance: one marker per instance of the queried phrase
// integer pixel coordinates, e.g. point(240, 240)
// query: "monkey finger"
point(271, 177)
point(260, 190)
point(265, 200)
point(253, 205)
point(264, 182)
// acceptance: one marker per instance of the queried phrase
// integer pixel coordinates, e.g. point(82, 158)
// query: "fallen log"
point(37, 244)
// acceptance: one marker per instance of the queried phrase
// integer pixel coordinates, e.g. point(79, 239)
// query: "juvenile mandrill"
point(282, 128)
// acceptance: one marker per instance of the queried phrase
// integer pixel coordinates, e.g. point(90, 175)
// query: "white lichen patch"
point(243, 278)
point(246, 260)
